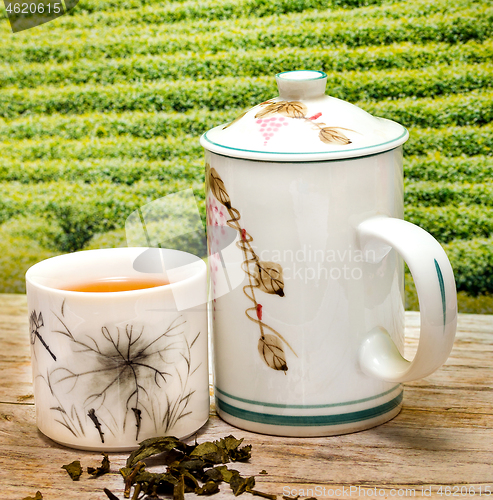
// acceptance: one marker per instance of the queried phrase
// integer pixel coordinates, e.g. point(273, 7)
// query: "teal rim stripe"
point(321, 74)
point(442, 292)
point(277, 405)
point(266, 153)
point(309, 420)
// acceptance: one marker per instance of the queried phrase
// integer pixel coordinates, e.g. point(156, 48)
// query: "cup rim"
point(122, 293)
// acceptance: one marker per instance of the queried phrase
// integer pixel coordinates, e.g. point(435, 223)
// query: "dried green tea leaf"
point(73, 469)
point(204, 449)
point(262, 494)
point(179, 489)
point(209, 488)
point(210, 452)
point(240, 484)
point(263, 471)
point(99, 471)
point(153, 446)
point(38, 496)
point(164, 479)
point(191, 483)
point(129, 474)
point(110, 495)
point(228, 443)
point(188, 464)
point(241, 454)
point(153, 495)
point(226, 473)
point(212, 475)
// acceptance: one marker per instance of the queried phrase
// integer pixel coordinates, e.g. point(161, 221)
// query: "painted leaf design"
point(269, 278)
point(291, 109)
point(332, 135)
point(216, 185)
point(236, 119)
point(271, 351)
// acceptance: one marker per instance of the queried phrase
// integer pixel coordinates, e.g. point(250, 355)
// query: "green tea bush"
point(117, 171)
point(95, 123)
point(75, 212)
point(428, 194)
point(472, 108)
point(400, 23)
point(137, 124)
point(184, 147)
point(472, 262)
point(240, 63)
point(228, 93)
point(244, 10)
point(451, 141)
point(450, 222)
point(436, 167)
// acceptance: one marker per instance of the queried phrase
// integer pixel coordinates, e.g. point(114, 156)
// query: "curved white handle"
point(435, 285)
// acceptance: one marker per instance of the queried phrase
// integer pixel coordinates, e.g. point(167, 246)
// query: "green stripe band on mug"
point(309, 420)
point(305, 407)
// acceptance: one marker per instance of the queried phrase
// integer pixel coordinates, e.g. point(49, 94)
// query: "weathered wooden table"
point(441, 444)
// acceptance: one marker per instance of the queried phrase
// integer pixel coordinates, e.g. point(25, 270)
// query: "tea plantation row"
point(97, 122)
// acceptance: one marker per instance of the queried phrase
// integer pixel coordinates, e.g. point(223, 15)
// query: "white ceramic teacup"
point(111, 369)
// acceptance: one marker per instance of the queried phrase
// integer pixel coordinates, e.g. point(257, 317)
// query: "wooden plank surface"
point(443, 436)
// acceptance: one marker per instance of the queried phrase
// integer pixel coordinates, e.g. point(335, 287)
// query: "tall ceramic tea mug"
point(307, 242)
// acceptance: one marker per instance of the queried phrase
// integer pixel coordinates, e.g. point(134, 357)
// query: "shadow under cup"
point(111, 369)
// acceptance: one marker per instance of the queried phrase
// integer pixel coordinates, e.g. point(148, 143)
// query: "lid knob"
point(301, 84)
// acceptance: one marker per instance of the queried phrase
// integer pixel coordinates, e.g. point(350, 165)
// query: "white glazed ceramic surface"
point(308, 315)
point(112, 369)
point(304, 124)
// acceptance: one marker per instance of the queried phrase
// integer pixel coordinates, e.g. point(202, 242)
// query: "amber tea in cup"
point(116, 284)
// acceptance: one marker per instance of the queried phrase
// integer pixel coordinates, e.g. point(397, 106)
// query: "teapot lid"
point(304, 124)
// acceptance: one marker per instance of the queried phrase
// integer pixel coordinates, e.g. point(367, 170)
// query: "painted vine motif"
point(296, 110)
point(262, 276)
point(121, 366)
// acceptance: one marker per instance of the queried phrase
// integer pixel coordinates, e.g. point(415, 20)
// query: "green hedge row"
point(117, 171)
point(136, 124)
point(207, 10)
point(240, 63)
point(77, 211)
point(449, 223)
point(432, 194)
point(472, 262)
point(127, 171)
point(451, 141)
point(180, 11)
point(186, 148)
point(267, 33)
point(241, 10)
point(473, 108)
point(228, 93)
point(436, 167)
